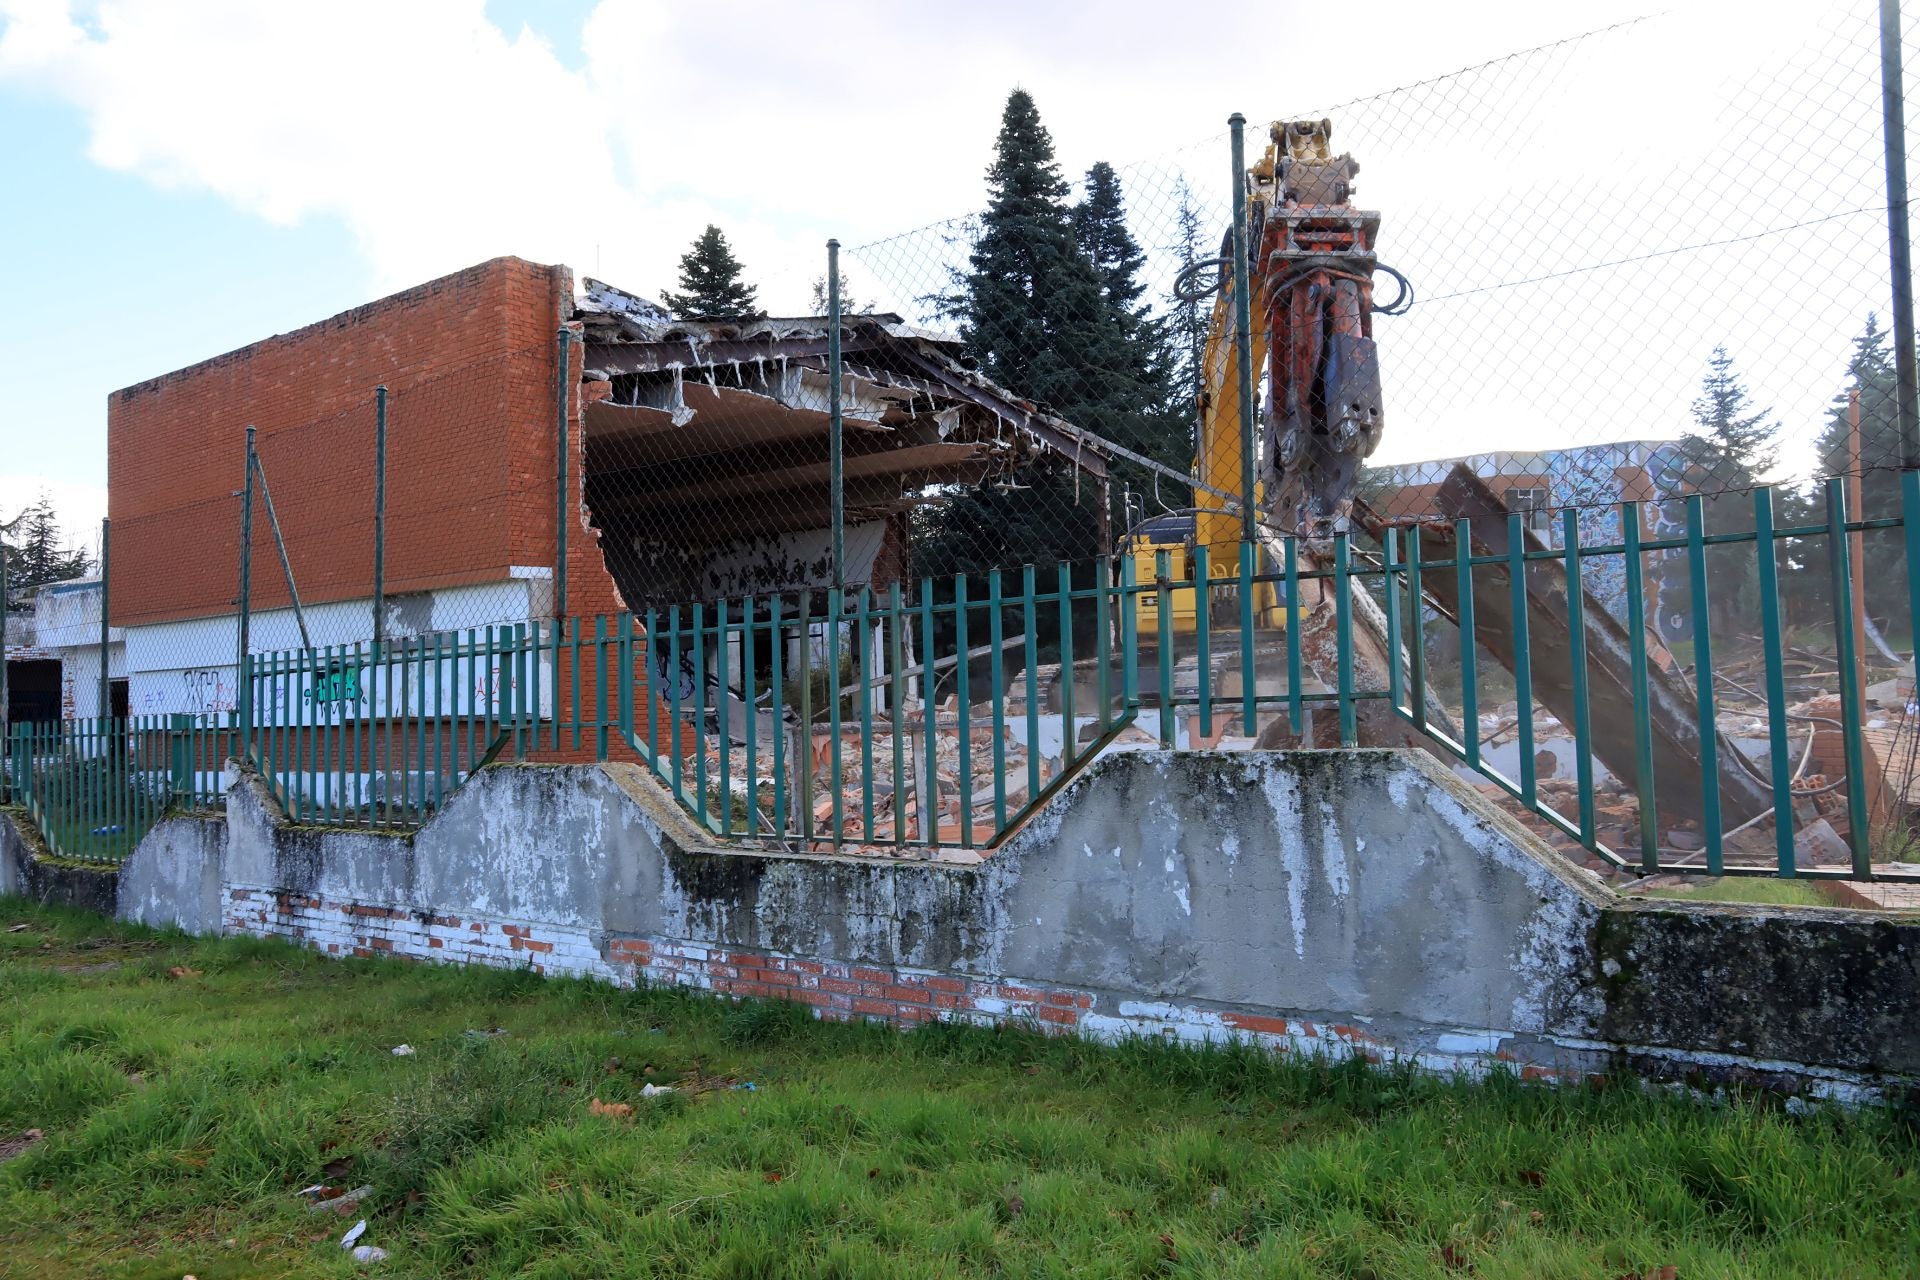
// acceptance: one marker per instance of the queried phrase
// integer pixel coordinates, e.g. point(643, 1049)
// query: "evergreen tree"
point(1869, 372)
point(1050, 308)
point(1729, 451)
point(1187, 321)
point(711, 287)
point(1032, 315)
point(848, 306)
point(1737, 444)
point(36, 551)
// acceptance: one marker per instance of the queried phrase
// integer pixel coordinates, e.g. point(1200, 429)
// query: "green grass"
point(1762, 889)
point(183, 1112)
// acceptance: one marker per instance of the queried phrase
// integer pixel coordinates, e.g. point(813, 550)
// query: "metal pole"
point(280, 545)
point(1243, 321)
point(379, 519)
point(6, 726)
point(106, 679)
point(562, 515)
point(243, 693)
point(1899, 248)
point(835, 460)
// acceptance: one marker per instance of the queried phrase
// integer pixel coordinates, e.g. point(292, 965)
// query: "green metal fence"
point(94, 787)
point(380, 735)
point(943, 714)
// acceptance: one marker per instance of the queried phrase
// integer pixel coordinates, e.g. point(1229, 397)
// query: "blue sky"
point(187, 176)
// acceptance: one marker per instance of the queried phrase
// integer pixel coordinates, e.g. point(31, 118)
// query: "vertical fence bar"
point(1417, 627)
point(1778, 748)
point(864, 628)
point(777, 700)
point(1642, 715)
point(1703, 681)
point(673, 700)
point(704, 802)
point(1523, 654)
point(1028, 604)
point(1162, 567)
point(930, 800)
point(997, 700)
point(1103, 640)
point(1469, 643)
point(1839, 560)
point(1203, 637)
point(835, 765)
point(1577, 655)
point(1070, 738)
point(1249, 678)
point(1129, 627)
point(897, 696)
point(1296, 707)
point(749, 697)
point(573, 670)
point(965, 709)
point(1390, 556)
point(600, 674)
point(723, 731)
point(628, 649)
point(1343, 622)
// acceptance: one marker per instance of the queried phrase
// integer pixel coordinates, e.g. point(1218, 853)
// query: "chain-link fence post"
point(836, 461)
point(563, 438)
point(106, 676)
point(1899, 250)
point(243, 691)
point(379, 519)
point(1243, 322)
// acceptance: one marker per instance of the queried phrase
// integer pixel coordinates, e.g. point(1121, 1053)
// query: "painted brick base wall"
point(834, 990)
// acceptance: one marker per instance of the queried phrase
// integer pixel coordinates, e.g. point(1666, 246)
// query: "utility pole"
point(1899, 248)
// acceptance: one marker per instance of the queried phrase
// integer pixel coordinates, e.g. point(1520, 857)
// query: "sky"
point(187, 176)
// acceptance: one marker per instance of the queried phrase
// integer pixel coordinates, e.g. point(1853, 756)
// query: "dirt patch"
point(19, 1144)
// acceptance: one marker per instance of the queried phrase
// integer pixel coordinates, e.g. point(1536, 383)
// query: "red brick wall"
point(469, 362)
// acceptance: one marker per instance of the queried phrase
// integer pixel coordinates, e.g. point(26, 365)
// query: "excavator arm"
point(1311, 266)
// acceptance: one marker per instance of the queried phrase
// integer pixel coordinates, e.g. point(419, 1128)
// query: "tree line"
point(1051, 306)
point(37, 550)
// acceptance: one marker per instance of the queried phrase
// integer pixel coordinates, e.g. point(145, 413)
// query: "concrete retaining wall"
point(1345, 902)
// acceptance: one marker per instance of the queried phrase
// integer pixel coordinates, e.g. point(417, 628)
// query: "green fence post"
point(1469, 643)
point(1703, 682)
point(1577, 654)
point(1164, 593)
point(897, 700)
point(1778, 748)
point(1642, 716)
point(1029, 602)
point(835, 765)
point(1070, 742)
point(1523, 654)
point(723, 733)
point(1343, 623)
point(777, 701)
point(963, 705)
point(1417, 628)
point(749, 697)
point(1202, 638)
point(996, 628)
point(1249, 676)
point(1840, 565)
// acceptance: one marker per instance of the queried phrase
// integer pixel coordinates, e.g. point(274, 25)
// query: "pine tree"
point(1187, 322)
point(36, 551)
point(711, 287)
point(848, 306)
point(1033, 317)
point(1730, 449)
point(1739, 447)
point(1870, 372)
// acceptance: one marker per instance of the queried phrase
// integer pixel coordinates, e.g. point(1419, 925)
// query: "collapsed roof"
point(712, 431)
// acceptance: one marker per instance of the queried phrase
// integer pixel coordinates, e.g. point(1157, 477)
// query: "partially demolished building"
point(673, 460)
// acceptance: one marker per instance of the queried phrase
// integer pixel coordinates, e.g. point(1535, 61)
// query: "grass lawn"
point(188, 1089)
point(1761, 889)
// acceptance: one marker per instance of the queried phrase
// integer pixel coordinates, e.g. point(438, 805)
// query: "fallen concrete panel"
point(1671, 705)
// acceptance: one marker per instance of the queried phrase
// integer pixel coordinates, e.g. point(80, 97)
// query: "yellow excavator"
point(1310, 270)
